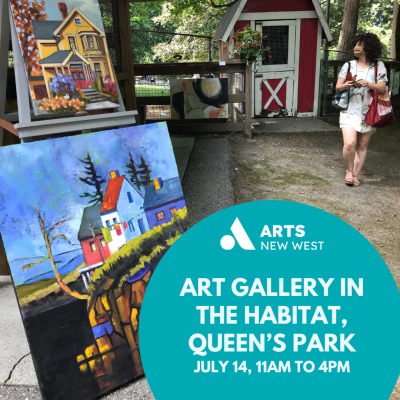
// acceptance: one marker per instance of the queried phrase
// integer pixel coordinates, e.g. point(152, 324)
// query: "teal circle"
point(168, 320)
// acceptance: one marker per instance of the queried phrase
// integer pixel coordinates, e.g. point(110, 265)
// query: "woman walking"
point(356, 133)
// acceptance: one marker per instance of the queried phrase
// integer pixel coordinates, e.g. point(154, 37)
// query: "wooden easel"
point(27, 124)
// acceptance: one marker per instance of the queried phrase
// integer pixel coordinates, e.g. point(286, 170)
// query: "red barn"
point(287, 82)
point(92, 241)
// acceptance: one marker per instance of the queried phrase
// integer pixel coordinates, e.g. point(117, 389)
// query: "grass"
point(151, 90)
point(40, 289)
point(136, 252)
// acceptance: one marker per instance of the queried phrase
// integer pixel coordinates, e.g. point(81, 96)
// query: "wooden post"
point(125, 37)
point(4, 267)
point(249, 99)
point(4, 45)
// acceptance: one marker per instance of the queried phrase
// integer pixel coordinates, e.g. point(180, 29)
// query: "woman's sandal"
point(348, 182)
point(356, 184)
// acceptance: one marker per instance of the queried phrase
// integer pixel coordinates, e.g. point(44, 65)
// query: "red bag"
point(380, 112)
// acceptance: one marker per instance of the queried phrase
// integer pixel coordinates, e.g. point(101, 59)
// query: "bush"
point(58, 105)
point(110, 88)
point(63, 83)
point(132, 256)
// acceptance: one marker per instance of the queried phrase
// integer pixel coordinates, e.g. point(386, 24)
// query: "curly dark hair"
point(372, 46)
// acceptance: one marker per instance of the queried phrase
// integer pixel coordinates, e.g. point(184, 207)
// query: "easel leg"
point(24, 110)
point(4, 45)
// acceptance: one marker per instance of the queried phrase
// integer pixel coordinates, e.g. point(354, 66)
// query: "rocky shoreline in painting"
point(103, 209)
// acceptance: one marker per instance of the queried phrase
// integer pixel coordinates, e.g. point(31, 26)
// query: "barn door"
point(276, 77)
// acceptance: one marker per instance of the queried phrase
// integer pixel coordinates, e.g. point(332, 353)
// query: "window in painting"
point(103, 243)
point(90, 42)
point(173, 211)
point(108, 223)
point(115, 220)
point(97, 68)
point(160, 216)
point(78, 21)
point(93, 247)
point(72, 44)
point(74, 75)
point(83, 42)
point(130, 198)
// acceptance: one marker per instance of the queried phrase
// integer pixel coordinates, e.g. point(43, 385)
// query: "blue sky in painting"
point(46, 174)
point(89, 7)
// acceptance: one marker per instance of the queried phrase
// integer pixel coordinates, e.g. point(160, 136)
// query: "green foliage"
point(132, 256)
point(98, 84)
point(191, 16)
point(142, 15)
point(375, 16)
point(151, 90)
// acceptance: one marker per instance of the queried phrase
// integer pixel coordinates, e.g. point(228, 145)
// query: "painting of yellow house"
point(67, 59)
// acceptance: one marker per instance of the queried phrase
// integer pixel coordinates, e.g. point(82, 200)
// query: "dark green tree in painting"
point(133, 172)
point(94, 180)
point(145, 172)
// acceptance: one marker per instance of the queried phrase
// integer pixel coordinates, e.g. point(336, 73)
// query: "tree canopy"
point(197, 17)
point(374, 16)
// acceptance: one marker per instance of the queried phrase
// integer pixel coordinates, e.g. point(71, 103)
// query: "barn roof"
point(91, 216)
point(112, 194)
point(171, 191)
point(233, 12)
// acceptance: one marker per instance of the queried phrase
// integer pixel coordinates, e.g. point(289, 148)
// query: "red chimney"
point(64, 10)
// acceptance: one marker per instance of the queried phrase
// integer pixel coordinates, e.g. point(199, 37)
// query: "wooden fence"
point(201, 125)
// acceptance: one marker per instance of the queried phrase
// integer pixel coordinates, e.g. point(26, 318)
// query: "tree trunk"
point(349, 29)
point(393, 52)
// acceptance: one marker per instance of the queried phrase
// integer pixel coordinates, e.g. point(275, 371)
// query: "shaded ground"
point(308, 168)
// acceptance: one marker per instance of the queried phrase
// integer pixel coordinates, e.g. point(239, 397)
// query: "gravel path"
point(308, 168)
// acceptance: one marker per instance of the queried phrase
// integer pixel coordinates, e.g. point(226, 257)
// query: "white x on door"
point(276, 78)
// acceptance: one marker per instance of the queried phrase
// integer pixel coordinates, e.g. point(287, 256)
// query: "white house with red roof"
point(122, 211)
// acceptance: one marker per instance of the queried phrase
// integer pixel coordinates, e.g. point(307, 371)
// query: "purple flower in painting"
point(62, 83)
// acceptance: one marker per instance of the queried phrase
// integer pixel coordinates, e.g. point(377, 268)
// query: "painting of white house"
point(85, 221)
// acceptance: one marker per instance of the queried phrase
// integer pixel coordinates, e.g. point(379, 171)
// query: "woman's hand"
point(348, 84)
point(364, 84)
point(341, 85)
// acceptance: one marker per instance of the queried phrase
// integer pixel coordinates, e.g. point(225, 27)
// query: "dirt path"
point(308, 168)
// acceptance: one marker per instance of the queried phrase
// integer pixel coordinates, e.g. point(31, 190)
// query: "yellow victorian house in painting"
point(73, 46)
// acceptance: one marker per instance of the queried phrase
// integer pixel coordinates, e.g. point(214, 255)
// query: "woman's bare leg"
point(349, 150)
point(361, 153)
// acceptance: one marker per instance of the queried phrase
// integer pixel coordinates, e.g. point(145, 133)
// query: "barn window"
point(278, 42)
point(130, 198)
point(92, 246)
point(160, 216)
